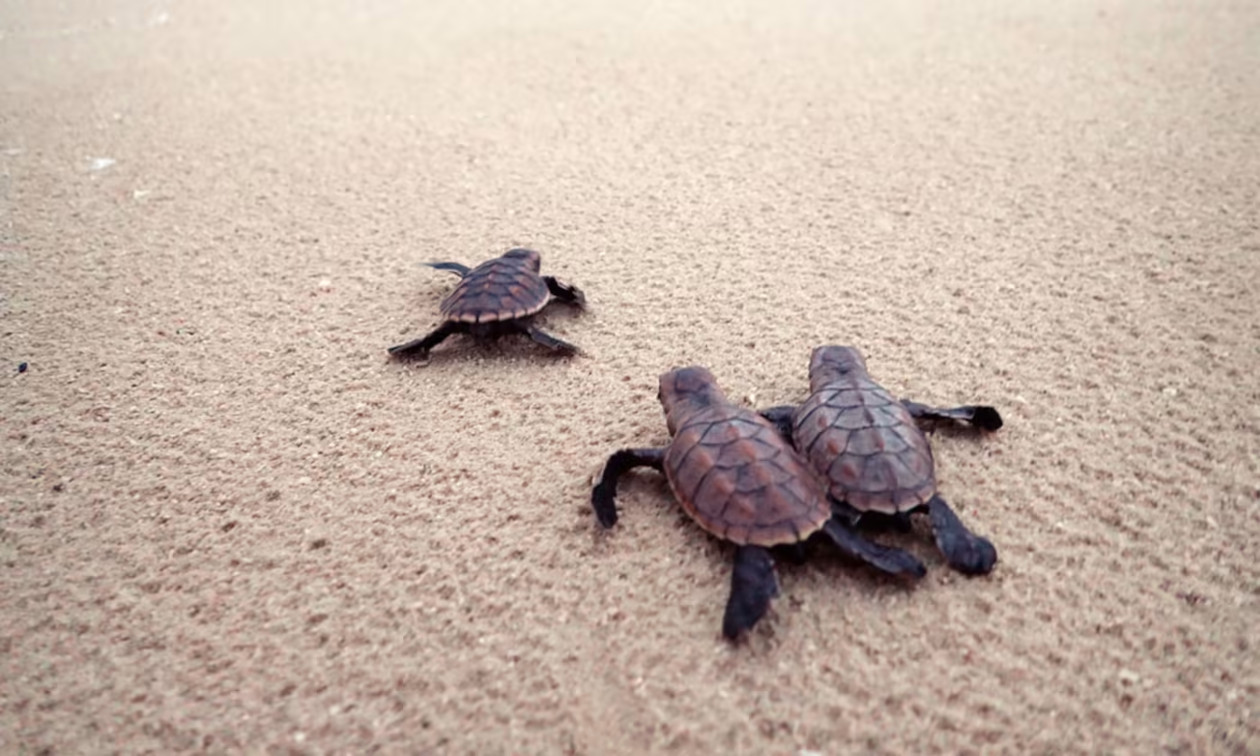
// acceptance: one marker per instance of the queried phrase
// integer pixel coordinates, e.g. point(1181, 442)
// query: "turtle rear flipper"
point(891, 560)
point(549, 341)
point(420, 347)
point(753, 585)
point(965, 551)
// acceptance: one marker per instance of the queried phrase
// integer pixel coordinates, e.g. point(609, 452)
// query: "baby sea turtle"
point(739, 479)
point(876, 459)
point(497, 297)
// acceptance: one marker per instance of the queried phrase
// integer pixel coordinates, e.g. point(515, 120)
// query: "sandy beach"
point(232, 524)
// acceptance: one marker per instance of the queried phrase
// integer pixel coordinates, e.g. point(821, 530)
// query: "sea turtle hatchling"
point(740, 480)
point(876, 459)
point(497, 297)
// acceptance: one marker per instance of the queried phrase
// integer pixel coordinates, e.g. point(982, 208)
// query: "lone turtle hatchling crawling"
point(740, 480)
point(877, 461)
point(497, 297)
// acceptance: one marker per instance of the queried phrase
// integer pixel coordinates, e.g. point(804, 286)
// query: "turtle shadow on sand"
point(499, 297)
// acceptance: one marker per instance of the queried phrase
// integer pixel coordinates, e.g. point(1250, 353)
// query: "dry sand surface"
point(231, 523)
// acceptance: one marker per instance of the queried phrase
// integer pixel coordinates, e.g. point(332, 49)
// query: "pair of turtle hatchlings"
point(761, 480)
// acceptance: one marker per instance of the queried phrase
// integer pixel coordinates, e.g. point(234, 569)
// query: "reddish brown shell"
point(737, 477)
point(504, 288)
point(868, 445)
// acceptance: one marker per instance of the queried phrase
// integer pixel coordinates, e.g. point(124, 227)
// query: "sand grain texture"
point(230, 523)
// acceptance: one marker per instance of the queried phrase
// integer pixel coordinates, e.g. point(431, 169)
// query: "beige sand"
point(230, 523)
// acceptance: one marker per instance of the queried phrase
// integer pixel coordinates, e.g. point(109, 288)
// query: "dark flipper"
point(551, 342)
point(564, 292)
point(604, 495)
point(420, 347)
point(753, 585)
point(886, 558)
point(781, 418)
point(965, 551)
point(457, 268)
point(981, 416)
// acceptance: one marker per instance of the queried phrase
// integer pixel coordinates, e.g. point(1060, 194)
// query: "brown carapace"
point(740, 480)
point(875, 457)
point(732, 472)
point(497, 297)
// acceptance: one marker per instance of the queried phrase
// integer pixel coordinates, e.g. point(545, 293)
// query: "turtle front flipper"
point(604, 495)
point(965, 551)
point(564, 292)
point(458, 268)
point(549, 341)
point(981, 416)
point(420, 347)
point(753, 585)
point(891, 560)
point(781, 418)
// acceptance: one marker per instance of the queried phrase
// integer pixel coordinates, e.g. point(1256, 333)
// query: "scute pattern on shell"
point(504, 288)
point(737, 477)
point(875, 456)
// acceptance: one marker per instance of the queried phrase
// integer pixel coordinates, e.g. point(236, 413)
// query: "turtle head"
point(684, 390)
point(531, 259)
point(833, 363)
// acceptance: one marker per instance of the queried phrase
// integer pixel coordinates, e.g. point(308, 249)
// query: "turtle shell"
point(505, 288)
point(874, 455)
point(737, 477)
